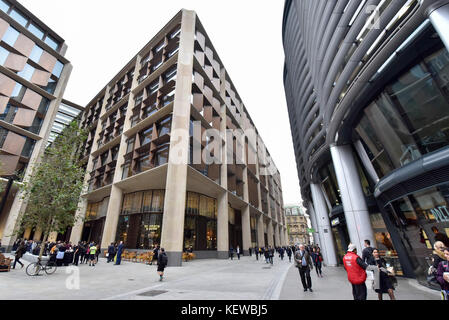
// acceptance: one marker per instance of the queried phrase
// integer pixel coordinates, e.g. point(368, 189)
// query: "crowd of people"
point(65, 253)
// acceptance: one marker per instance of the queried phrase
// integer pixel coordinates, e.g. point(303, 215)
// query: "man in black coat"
point(305, 265)
point(111, 252)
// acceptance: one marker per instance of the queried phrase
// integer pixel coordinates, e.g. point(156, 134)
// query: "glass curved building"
point(366, 83)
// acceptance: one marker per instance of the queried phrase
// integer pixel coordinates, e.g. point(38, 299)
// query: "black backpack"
point(164, 259)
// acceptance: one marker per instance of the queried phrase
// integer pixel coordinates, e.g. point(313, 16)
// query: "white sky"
point(103, 35)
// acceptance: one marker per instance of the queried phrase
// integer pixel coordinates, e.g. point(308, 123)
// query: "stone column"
point(246, 230)
point(353, 198)
point(260, 233)
point(438, 14)
point(312, 214)
point(175, 193)
point(276, 235)
point(223, 207)
point(37, 234)
point(270, 232)
point(77, 229)
point(223, 226)
point(327, 244)
point(112, 216)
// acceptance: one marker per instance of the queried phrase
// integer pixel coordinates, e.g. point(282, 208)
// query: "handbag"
point(390, 271)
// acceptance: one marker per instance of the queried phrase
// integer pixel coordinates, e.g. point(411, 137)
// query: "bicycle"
point(33, 269)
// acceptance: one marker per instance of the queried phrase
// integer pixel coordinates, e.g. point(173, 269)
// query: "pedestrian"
point(437, 257)
point(231, 253)
point(267, 255)
point(111, 250)
point(442, 275)
point(271, 254)
point(367, 253)
point(304, 265)
point(118, 256)
point(155, 254)
point(76, 255)
point(355, 267)
point(250, 251)
point(97, 253)
point(289, 254)
point(383, 281)
point(19, 253)
point(237, 251)
point(92, 254)
point(317, 261)
point(162, 262)
point(281, 253)
point(256, 251)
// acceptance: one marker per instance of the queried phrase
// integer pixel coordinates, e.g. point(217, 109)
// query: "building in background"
point(368, 102)
point(297, 225)
point(33, 77)
point(176, 87)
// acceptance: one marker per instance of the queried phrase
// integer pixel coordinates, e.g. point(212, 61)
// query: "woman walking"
point(19, 253)
point(162, 261)
point(443, 275)
point(317, 261)
point(385, 285)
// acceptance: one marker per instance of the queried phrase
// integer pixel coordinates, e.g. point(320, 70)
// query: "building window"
point(410, 117)
point(10, 36)
point(35, 30)
point(18, 17)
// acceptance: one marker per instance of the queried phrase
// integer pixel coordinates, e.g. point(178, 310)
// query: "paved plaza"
point(208, 279)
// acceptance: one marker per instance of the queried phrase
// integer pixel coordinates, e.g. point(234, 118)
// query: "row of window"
point(27, 23)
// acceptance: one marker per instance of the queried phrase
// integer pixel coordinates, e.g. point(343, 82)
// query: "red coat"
point(356, 274)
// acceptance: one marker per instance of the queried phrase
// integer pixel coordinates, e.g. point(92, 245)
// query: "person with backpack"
point(442, 275)
point(162, 261)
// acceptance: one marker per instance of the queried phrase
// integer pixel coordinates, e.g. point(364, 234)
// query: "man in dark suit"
point(111, 252)
point(304, 264)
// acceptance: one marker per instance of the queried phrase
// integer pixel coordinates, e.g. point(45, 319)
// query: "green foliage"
point(54, 186)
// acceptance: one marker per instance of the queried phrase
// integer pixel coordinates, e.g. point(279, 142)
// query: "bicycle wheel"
point(50, 267)
point(33, 269)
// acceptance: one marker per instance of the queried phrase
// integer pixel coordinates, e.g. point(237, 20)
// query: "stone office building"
point(33, 77)
point(146, 185)
point(367, 90)
point(297, 225)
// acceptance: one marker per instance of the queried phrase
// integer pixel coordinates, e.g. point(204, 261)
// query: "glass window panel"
point(4, 6)
point(36, 31)
point(147, 196)
point(157, 203)
point(162, 156)
point(3, 55)
point(18, 92)
point(69, 110)
point(27, 72)
point(192, 205)
point(18, 17)
point(36, 54)
point(10, 36)
point(52, 43)
point(411, 117)
point(145, 136)
point(57, 69)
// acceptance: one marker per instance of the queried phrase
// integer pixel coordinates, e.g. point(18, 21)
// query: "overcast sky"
point(103, 35)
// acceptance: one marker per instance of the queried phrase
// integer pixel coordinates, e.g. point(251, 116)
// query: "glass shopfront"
point(200, 224)
point(95, 218)
point(140, 222)
point(234, 227)
point(421, 219)
point(410, 117)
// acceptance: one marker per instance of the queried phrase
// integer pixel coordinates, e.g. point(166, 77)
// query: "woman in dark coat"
point(385, 285)
point(19, 253)
point(317, 259)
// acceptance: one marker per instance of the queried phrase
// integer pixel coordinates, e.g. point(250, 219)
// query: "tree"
point(53, 188)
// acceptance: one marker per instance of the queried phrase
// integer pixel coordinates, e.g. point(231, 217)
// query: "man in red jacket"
point(355, 267)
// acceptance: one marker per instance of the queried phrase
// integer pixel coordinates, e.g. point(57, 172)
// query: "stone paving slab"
point(196, 280)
